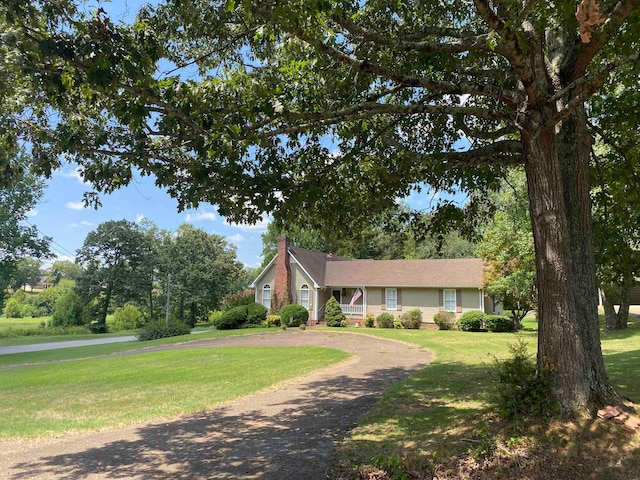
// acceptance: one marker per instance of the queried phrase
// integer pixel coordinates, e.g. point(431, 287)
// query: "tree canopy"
point(336, 109)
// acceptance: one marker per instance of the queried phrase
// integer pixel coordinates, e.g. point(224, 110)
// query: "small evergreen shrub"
point(333, 314)
point(256, 314)
point(385, 320)
point(445, 320)
point(499, 323)
point(97, 326)
point(370, 320)
point(127, 318)
point(158, 329)
point(471, 321)
point(68, 310)
point(237, 299)
point(519, 391)
point(232, 318)
point(294, 315)
point(13, 309)
point(412, 319)
point(272, 321)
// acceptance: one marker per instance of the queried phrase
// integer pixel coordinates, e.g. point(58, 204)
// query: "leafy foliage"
point(67, 311)
point(445, 320)
point(272, 321)
point(233, 318)
point(471, 321)
point(256, 313)
point(333, 315)
point(294, 315)
point(231, 300)
point(158, 329)
point(412, 319)
point(370, 320)
point(13, 309)
point(127, 318)
point(385, 320)
point(499, 323)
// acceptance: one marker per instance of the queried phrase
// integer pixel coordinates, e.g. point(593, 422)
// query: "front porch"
point(352, 310)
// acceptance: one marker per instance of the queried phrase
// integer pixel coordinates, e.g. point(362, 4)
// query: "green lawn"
point(107, 392)
point(441, 412)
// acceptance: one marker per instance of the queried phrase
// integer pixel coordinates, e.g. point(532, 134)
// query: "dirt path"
point(283, 433)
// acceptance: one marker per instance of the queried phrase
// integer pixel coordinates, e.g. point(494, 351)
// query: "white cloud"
point(74, 225)
point(259, 226)
point(88, 224)
point(75, 172)
point(140, 217)
point(200, 215)
point(75, 205)
point(32, 213)
point(235, 239)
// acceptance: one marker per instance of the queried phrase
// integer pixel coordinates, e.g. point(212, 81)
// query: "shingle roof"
point(314, 262)
point(458, 272)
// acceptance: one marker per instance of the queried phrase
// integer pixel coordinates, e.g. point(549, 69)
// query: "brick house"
point(310, 279)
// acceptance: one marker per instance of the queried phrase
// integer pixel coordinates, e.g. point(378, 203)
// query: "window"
point(304, 296)
point(450, 300)
point(392, 298)
point(266, 295)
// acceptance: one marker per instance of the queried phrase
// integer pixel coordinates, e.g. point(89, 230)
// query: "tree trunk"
point(105, 308)
point(610, 315)
point(568, 335)
point(616, 320)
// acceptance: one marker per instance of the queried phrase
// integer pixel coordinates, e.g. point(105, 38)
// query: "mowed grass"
point(441, 413)
point(53, 399)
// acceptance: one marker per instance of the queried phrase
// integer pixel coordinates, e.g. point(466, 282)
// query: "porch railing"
point(355, 310)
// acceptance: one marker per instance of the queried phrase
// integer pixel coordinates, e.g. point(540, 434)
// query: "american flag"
point(356, 295)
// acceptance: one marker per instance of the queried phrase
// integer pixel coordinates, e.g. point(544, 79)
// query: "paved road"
point(37, 347)
point(286, 432)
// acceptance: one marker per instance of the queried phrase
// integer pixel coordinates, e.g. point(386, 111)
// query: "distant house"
point(310, 279)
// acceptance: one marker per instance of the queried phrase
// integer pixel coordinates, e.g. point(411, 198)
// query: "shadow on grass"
point(622, 369)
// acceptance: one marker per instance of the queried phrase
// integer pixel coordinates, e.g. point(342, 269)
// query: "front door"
point(337, 294)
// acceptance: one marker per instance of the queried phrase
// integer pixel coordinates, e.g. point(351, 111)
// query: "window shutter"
point(441, 300)
point(383, 299)
point(399, 299)
point(459, 301)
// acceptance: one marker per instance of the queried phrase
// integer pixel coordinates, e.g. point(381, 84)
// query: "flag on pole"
point(356, 295)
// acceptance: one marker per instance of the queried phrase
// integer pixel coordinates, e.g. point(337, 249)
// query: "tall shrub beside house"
point(333, 314)
point(294, 315)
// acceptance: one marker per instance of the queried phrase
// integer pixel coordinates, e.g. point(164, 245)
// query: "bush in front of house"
point(385, 320)
point(271, 321)
point(294, 315)
point(445, 320)
point(213, 317)
point(159, 329)
point(499, 323)
point(232, 318)
point(127, 318)
point(333, 314)
point(471, 321)
point(412, 319)
point(370, 320)
point(256, 313)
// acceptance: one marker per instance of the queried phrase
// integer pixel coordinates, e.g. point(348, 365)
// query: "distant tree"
point(63, 269)
point(18, 240)
point(112, 258)
point(507, 249)
point(28, 272)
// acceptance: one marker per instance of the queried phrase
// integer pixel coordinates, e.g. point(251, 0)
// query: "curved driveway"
point(285, 432)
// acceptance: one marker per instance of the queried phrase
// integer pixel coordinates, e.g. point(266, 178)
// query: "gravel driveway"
point(285, 432)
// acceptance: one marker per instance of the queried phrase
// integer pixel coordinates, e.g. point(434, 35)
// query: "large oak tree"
point(331, 110)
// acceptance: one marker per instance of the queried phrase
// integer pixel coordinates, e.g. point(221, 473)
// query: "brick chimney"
point(282, 280)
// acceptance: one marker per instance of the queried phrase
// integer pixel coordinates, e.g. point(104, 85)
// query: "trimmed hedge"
point(445, 320)
point(232, 318)
point(471, 321)
point(294, 316)
point(499, 323)
point(158, 329)
point(256, 313)
point(385, 320)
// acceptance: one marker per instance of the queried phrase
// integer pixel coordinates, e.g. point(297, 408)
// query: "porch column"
point(364, 302)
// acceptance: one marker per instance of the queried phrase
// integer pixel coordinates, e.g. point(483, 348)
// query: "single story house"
point(310, 279)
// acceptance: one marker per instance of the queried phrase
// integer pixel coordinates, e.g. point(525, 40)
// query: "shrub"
point(518, 391)
point(397, 323)
point(256, 313)
point(96, 326)
point(232, 318)
point(19, 296)
point(13, 309)
point(445, 320)
point(294, 316)
point(68, 310)
point(159, 329)
point(237, 299)
point(46, 300)
point(385, 320)
point(499, 323)
point(127, 318)
point(412, 319)
point(214, 316)
point(471, 321)
point(272, 321)
point(370, 320)
point(333, 314)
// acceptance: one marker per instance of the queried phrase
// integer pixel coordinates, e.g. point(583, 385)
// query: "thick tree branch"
point(505, 152)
